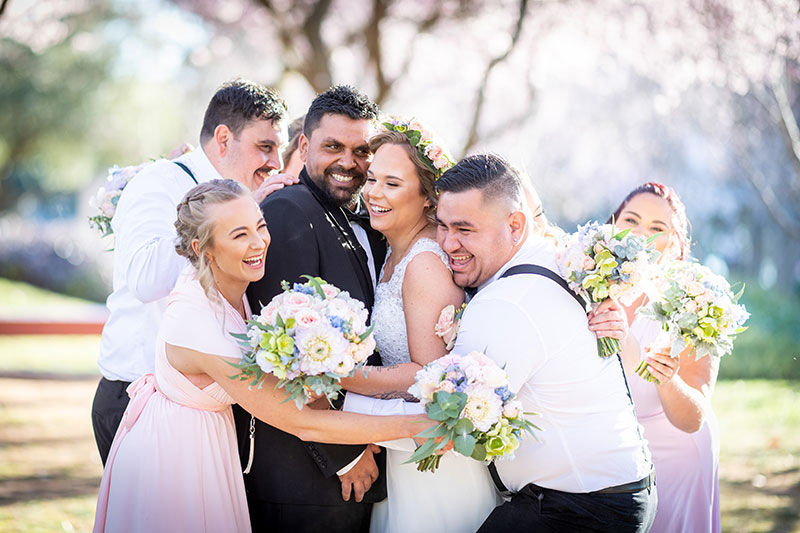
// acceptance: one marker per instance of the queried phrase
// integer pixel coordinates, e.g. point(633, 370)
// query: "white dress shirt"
point(535, 329)
point(146, 265)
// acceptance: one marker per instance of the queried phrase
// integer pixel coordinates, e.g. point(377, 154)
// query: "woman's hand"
point(661, 365)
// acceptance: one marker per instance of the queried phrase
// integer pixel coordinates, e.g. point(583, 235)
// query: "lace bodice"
point(388, 314)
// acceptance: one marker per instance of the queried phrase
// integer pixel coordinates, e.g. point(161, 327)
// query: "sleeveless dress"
point(686, 464)
point(460, 494)
point(174, 463)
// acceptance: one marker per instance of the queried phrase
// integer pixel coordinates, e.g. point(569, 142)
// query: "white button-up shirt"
point(535, 329)
point(146, 265)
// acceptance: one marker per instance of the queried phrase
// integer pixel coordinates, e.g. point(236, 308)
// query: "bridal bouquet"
point(469, 397)
point(309, 337)
point(599, 264)
point(695, 307)
point(107, 197)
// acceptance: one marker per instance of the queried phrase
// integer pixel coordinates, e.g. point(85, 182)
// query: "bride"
point(415, 284)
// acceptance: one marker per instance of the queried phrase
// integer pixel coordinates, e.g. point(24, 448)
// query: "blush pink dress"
point(174, 463)
point(686, 463)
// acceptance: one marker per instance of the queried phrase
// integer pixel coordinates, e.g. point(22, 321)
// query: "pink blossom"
point(588, 263)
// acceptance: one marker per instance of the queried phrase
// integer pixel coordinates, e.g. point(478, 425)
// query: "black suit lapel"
point(338, 220)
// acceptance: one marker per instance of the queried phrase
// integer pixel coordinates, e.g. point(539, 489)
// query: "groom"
point(305, 486)
point(590, 468)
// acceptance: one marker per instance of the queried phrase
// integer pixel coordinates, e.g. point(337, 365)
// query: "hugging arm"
point(267, 404)
point(427, 288)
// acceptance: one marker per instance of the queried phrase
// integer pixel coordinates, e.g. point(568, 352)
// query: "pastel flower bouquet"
point(696, 308)
point(309, 337)
point(599, 263)
point(470, 398)
point(107, 197)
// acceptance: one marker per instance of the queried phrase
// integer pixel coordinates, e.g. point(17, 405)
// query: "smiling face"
point(253, 154)
point(393, 193)
point(477, 235)
point(240, 242)
point(337, 156)
point(647, 214)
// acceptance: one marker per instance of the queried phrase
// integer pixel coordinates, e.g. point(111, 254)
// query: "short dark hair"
point(340, 100)
point(491, 174)
point(239, 101)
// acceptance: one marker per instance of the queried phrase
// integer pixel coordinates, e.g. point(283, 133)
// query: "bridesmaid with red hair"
point(676, 413)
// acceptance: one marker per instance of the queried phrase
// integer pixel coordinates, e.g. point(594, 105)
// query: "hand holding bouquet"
point(309, 337)
point(469, 397)
point(599, 264)
point(696, 308)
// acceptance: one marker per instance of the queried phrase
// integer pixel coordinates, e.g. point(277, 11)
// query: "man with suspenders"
point(243, 131)
point(590, 469)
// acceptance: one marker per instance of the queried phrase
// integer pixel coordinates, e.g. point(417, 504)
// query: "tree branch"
point(372, 35)
point(3, 6)
point(317, 68)
point(768, 196)
point(790, 130)
point(472, 137)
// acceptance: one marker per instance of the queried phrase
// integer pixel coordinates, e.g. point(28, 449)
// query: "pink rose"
point(588, 263)
point(434, 152)
point(295, 301)
point(307, 318)
point(446, 386)
point(330, 291)
point(447, 326)
point(695, 288)
point(598, 247)
point(268, 313)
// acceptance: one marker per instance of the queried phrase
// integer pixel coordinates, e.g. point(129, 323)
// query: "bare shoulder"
point(428, 277)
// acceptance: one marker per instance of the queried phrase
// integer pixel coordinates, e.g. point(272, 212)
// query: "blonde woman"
point(174, 464)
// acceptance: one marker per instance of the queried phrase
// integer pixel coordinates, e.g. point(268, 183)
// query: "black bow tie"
point(360, 216)
point(471, 291)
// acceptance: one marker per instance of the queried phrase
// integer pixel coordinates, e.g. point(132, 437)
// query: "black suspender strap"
point(186, 169)
point(546, 272)
point(540, 271)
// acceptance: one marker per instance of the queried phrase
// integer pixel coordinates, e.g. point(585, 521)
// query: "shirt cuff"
point(350, 466)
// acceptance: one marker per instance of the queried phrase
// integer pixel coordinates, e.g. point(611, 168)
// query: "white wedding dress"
point(460, 494)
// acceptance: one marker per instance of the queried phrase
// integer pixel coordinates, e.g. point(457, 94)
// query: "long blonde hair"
point(195, 222)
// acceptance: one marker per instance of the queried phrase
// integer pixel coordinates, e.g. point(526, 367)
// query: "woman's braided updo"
point(195, 222)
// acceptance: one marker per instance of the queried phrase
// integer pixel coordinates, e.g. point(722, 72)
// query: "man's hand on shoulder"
point(274, 183)
point(360, 478)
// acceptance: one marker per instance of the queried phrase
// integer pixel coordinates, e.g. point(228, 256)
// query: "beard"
point(331, 189)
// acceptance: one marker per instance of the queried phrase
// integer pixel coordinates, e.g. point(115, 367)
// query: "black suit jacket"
point(309, 236)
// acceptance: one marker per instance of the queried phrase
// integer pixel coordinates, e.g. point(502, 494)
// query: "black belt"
point(633, 486)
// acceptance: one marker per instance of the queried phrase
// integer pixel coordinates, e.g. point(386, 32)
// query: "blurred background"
point(589, 97)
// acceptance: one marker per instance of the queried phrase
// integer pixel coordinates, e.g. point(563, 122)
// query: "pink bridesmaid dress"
point(174, 464)
point(686, 463)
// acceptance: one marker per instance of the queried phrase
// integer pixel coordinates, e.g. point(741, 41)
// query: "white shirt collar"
point(536, 250)
point(198, 162)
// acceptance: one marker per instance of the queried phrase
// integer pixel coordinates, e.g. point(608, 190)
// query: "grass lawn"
point(50, 470)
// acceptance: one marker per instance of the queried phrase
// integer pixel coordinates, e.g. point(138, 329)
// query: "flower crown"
point(419, 137)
